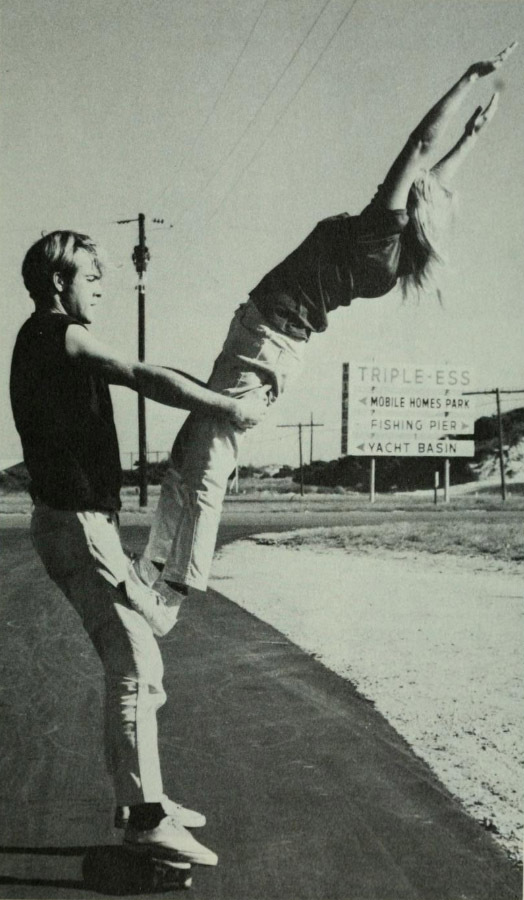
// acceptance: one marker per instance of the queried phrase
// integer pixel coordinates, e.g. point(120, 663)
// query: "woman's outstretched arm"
point(421, 143)
point(448, 165)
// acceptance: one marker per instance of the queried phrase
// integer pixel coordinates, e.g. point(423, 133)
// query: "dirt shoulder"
point(435, 641)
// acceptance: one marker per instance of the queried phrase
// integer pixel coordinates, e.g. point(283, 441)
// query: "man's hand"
point(486, 67)
point(248, 411)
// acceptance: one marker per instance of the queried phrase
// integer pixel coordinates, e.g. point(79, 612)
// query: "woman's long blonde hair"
point(430, 208)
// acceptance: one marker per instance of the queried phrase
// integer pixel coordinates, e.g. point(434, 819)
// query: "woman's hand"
point(481, 116)
point(486, 67)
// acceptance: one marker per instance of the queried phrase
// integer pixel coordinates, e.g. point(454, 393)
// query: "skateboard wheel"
point(167, 877)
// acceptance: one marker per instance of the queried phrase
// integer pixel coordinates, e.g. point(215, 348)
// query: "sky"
point(240, 124)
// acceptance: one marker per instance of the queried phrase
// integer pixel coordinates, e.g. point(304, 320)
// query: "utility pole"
point(301, 461)
point(501, 447)
point(141, 257)
point(345, 401)
point(312, 425)
point(300, 426)
point(497, 393)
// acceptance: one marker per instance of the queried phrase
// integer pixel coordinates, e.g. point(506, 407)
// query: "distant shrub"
point(284, 472)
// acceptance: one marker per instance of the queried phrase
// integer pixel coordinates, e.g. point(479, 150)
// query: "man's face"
point(81, 295)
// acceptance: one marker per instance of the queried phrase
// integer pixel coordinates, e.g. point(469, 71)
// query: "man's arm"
point(165, 386)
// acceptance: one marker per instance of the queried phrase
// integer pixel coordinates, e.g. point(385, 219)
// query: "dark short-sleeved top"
point(64, 416)
point(344, 257)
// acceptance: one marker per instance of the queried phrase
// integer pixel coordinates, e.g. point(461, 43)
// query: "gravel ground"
point(436, 643)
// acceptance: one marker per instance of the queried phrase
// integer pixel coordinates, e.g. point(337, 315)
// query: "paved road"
point(309, 793)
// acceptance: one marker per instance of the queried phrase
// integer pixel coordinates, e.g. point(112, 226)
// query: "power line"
point(221, 93)
point(283, 112)
point(494, 391)
point(258, 112)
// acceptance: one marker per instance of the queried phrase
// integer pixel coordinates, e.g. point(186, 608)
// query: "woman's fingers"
point(482, 116)
point(503, 55)
point(486, 67)
point(470, 124)
point(490, 110)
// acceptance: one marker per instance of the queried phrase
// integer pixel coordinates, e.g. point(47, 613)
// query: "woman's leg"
point(206, 450)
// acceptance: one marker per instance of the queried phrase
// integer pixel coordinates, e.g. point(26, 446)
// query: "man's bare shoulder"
point(78, 341)
point(80, 344)
point(100, 358)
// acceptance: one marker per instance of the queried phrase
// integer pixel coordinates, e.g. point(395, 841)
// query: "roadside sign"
point(409, 410)
point(418, 420)
point(409, 446)
point(414, 399)
point(407, 376)
point(410, 428)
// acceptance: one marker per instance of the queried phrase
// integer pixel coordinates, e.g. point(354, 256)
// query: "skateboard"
point(116, 871)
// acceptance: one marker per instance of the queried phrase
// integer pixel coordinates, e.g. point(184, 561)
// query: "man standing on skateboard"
point(60, 379)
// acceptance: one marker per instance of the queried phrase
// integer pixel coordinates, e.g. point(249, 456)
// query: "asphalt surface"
point(309, 792)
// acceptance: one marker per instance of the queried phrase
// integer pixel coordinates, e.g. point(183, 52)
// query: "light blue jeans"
point(183, 535)
point(82, 553)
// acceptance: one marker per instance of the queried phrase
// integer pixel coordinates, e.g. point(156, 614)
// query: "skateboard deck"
point(116, 871)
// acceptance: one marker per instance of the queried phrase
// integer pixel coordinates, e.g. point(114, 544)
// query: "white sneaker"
point(169, 841)
point(159, 608)
point(188, 818)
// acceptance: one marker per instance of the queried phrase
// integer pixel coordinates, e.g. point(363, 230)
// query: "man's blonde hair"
point(55, 252)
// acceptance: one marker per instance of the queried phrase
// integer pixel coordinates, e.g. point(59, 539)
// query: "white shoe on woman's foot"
point(188, 818)
point(159, 605)
point(146, 570)
point(169, 841)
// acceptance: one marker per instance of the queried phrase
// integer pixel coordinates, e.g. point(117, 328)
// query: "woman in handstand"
point(395, 239)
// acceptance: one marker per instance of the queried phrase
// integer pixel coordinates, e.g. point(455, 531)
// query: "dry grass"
point(498, 539)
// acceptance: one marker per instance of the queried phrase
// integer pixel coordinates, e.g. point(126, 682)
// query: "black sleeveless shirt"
point(344, 257)
point(64, 416)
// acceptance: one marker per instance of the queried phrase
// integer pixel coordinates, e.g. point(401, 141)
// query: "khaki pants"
point(82, 553)
point(184, 530)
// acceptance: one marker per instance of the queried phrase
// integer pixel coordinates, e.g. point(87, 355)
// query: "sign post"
point(446, 480)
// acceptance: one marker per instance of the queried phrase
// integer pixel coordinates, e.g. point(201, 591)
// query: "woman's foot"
point(170, 842)
point(188, 818)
